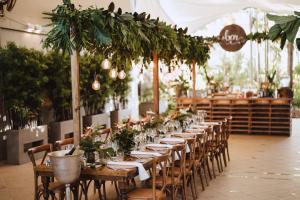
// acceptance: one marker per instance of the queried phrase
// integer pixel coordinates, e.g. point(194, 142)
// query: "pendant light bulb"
point(105, 64)
point(96, 85)
point(122, 75)
point(113, 73)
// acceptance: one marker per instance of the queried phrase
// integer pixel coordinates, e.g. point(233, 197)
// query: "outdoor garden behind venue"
point(149, 99)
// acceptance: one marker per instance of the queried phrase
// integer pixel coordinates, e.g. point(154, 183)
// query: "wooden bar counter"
point(249, 115)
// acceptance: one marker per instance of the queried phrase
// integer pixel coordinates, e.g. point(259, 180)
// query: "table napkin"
point(195, 131)
point(143, 174)
point(169, 146)
point(154, 154)
point(184, 135)
point(179, 140)
point(204, 126)
point(210, 123)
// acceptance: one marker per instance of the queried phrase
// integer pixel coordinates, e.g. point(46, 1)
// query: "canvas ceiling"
point(193, 14)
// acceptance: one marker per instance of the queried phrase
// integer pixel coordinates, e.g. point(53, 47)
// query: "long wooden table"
point(249, 115)
point(88, 174)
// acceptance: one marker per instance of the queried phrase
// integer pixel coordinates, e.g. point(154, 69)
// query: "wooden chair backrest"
point(159, 163)
point(178, 151)
point(190, 160)
point(60, 143)
point(46, 148)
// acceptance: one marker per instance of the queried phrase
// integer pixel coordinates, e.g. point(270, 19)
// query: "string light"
point(113, 73)
point(96, 83)
point(105, 64)
point(122, 75)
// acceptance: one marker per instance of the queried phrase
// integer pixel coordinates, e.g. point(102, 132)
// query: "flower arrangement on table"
point(153, 123)
point(91, 142)
point(124, 138)
point(181, 117)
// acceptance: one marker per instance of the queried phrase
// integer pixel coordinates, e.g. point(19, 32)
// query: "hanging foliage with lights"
point(111, 32)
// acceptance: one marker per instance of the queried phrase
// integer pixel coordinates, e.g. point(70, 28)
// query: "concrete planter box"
point(3, 145)
point(19, 141)
point(60, 130)
point(117, 116)
point(100, 119)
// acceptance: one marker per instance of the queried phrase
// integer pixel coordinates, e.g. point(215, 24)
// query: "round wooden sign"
point(232, 37)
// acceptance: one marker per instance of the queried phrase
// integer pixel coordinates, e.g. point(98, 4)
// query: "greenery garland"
point(129, 35)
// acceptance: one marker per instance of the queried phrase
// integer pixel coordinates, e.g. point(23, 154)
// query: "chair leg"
point(201, 178)
point(208, 169)
point(218, 163)
point(224, 157)
point(205, 176)
point(227, 151)
point(194, 184)
point(220, 160)
point(213, 165)
point(104, 189)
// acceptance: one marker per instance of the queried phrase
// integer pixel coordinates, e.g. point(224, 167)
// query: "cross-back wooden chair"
point(175, 172)
point(58, 145)
point(54, 186)
point(201, 140)
point(153, 193)
point(190, 166)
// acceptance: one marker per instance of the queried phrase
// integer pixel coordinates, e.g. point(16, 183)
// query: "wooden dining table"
point(102, 173)
point(98, 174)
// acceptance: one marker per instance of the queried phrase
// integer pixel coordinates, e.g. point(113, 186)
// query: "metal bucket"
point(66, 168)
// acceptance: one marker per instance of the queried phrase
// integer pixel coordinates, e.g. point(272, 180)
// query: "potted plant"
point(124, 138)
point(94, 101)
point(91, 143)
point(21, 88)
point(59, 92)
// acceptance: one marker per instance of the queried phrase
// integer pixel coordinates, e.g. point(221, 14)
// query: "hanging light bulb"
point(105, 64)
point(122, 74)
point(96, 83)
point(113, 73)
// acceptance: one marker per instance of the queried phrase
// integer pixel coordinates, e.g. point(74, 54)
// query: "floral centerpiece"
point(153, 123)
point(181, 117)
point(124, 138)
point(91, 142)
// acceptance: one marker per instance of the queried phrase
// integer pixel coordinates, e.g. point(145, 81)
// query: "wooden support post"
point(194, 78)
point(155, 84)
point(290, 47)
point(75, 77)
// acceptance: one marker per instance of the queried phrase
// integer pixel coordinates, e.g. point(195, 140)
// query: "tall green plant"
point(59, 84)
point(21, 81)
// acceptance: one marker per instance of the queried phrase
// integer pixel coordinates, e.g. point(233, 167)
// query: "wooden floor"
point(261, 168)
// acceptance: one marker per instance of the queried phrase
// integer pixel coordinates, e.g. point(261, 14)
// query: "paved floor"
point(261, 168)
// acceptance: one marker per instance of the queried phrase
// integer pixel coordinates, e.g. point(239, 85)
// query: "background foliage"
point(21, 84)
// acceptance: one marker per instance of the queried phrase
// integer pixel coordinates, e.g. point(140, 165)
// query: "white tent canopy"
point(194, 14)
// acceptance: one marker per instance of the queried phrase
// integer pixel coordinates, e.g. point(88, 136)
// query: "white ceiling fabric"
point(194, 14)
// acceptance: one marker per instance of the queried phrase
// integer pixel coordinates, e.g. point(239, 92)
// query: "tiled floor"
point(261, 168)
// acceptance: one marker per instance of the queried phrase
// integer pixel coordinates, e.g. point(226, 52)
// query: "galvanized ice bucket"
point(66, 168)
